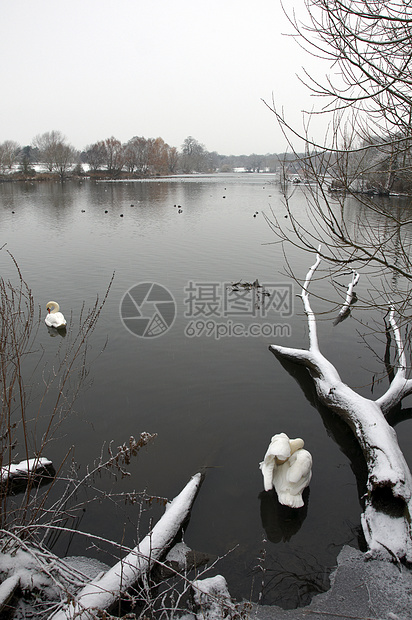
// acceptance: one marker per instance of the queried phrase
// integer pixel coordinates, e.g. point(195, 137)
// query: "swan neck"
point(53, 307)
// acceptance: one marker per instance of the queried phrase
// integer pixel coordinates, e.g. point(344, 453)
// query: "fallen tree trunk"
point(23, 469)
point(102, 593)
point(386, 520)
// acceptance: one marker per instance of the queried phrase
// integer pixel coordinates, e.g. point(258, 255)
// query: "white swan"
point(288, 468)
point(54, 318)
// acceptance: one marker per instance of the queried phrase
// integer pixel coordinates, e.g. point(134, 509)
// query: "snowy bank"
point(360, 588)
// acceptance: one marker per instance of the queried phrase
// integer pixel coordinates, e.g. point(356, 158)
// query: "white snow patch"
point(26, 567)
point(23, 468)
point(213, 598)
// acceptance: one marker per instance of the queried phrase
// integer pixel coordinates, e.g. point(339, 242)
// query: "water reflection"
point(53, 332)
point(281, 522)
point(291, 582)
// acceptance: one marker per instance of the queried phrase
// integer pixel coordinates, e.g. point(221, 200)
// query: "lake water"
point(213, 397)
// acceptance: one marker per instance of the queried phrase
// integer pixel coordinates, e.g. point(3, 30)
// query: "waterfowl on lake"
point(288, 468)
point(54, 318)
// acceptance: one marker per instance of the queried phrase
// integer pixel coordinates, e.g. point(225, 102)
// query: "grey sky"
point(170, 68)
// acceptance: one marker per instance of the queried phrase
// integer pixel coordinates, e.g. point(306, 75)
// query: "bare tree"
point(366, 97)
point(114, 155)
point(46, 144)
point(55, 152)
point(353, 224)
point(137, 155)
point(173, 159)
point(367, 47)
point(95, 155)
point(366, 101)
point(64, 158)
point(194, 156)
point(159, 156)
point(9, 151)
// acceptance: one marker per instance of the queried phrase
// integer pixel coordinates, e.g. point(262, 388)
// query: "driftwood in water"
point(15, 476)
point(386, 520)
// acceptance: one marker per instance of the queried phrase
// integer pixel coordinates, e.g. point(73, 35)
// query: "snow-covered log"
point(17, 474)
point(386, 520)
point(24, 468)
point(101, 593)
point(7, 589)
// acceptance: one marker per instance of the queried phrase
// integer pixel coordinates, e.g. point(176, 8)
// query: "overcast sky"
point(170, 68)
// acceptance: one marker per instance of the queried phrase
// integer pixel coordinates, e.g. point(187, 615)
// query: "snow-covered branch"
point(349, 299)
point(400, 386)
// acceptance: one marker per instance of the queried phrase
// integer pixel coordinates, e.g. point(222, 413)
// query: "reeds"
point(35, 397)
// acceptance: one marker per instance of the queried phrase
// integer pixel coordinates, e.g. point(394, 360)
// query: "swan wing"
point(268, 466)
point(55, 319)
point(60, 319)
point(282, 486)
point(300, 470)
point(279, 450)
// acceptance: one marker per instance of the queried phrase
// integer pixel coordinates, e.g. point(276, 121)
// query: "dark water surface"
point(213, 402)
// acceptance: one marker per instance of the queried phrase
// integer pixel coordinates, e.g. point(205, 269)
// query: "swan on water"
point(288, 468)
point(54, 318)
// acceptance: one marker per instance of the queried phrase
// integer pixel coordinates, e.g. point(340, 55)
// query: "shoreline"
point(360, 588)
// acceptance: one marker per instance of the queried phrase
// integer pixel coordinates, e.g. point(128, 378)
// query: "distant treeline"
point(139, 157)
